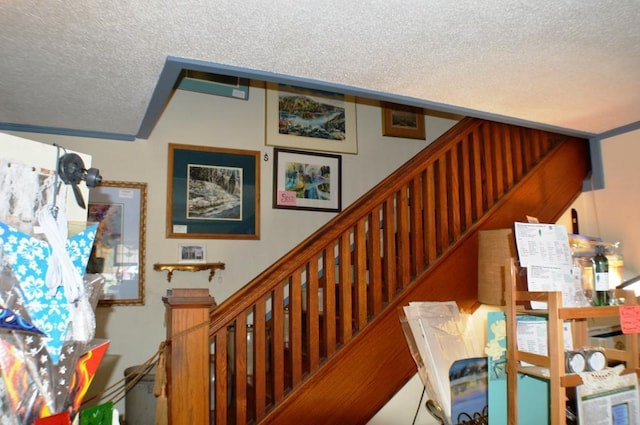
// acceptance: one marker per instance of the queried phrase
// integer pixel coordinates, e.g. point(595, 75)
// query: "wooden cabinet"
point(552, 366)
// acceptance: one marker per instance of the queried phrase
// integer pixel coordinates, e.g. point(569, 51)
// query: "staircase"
point(316, 338)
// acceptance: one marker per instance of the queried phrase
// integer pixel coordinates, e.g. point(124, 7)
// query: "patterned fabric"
point(28, 258)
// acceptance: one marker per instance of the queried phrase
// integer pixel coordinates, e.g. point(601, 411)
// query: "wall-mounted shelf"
point(198, 267)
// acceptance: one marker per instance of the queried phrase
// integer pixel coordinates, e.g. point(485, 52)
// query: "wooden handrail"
point(309, 305)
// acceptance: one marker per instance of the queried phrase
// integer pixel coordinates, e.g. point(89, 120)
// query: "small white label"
point(601, 281)
point(125, 193)
point(179, 228)
point(237, 93)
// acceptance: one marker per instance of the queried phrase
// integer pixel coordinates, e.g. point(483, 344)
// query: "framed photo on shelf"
point(402, 121)
point(213, 193)
point(192, 254)
point(310, 119)
point(307, 180)
point(118, 252)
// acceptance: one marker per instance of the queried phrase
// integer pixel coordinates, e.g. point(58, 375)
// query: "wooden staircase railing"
point(275, 334)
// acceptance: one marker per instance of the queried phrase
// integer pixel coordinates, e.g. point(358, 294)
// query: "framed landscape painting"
point(213, 193)
point(403, 121)
point(307, 180)
point(310, 119)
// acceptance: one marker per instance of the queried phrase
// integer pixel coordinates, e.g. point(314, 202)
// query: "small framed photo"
point(316, 120)
point(192, 254)
point(307, 180)
point(402, 121)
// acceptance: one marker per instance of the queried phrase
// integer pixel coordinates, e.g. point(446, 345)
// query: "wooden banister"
point(317, 304)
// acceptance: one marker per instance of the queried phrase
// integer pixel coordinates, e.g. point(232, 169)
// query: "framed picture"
point(118, 252)
point(402, 121)
point(213, 193)
point(192, 254)
point(310, 119)
point(216, 84)
point(307, 180)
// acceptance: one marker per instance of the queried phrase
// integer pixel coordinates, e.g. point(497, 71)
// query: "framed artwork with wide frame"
point(307, 180)
point(213, 193)
point(402, 121)
point(118, 253)
point(308, 119)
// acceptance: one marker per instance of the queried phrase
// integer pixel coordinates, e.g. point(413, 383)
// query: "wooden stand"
point(552, 366)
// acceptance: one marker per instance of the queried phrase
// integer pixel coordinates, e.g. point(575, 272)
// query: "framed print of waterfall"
point(213, 193)
point(307, 180)
point(310, 119)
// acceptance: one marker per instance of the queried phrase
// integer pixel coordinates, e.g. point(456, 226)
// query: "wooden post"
point(188, 368)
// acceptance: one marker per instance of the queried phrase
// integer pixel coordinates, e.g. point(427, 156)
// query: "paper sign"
point(542, 245)
point(630, 319)
point(287, 197)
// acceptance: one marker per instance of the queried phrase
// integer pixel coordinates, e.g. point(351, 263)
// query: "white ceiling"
point(92, 66)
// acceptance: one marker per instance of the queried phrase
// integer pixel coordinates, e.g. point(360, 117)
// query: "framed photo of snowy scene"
point(307, 180)
point(213, 193)
point(309, 119)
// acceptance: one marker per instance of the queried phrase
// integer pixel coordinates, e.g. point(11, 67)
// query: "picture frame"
point(327, 122)
point(213, 193)
point(192, 254)
point(215, 84)
point(118, 252)
point(305, 180)
point(403, 121)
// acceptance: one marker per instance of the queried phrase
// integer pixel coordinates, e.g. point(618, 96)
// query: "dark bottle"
point(600, 277)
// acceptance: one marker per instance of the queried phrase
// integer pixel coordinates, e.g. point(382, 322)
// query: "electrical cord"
point(415, 417)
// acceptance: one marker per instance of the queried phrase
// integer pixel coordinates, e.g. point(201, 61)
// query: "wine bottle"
point(600, 277)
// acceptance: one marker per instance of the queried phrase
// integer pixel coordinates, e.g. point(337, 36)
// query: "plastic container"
point(140, 402)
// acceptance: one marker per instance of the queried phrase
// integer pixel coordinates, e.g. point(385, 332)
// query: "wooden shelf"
point(552, 366)
point(198, 267)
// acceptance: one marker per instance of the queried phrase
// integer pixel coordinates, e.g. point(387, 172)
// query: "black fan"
point(71, 170)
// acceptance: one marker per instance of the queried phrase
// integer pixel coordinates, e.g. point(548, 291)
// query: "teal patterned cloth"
point(28, 258)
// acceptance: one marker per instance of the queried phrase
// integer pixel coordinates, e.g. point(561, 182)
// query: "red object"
point(85, 371)
point(58, 419)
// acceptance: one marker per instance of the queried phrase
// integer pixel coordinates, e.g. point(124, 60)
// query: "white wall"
point(191, 118)
point(611, 212)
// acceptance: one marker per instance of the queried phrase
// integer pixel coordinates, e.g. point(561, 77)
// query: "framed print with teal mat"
point(213, 193)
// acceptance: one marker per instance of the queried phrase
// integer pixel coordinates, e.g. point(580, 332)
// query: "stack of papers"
point(438, 335)
point(543, 249)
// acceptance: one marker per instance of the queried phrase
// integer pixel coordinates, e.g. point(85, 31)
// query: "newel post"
point(188, 369)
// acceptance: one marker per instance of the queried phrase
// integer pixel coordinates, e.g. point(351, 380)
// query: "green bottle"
point(600, 277)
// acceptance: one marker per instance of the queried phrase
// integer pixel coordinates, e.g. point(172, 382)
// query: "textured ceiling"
point(93, 65)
